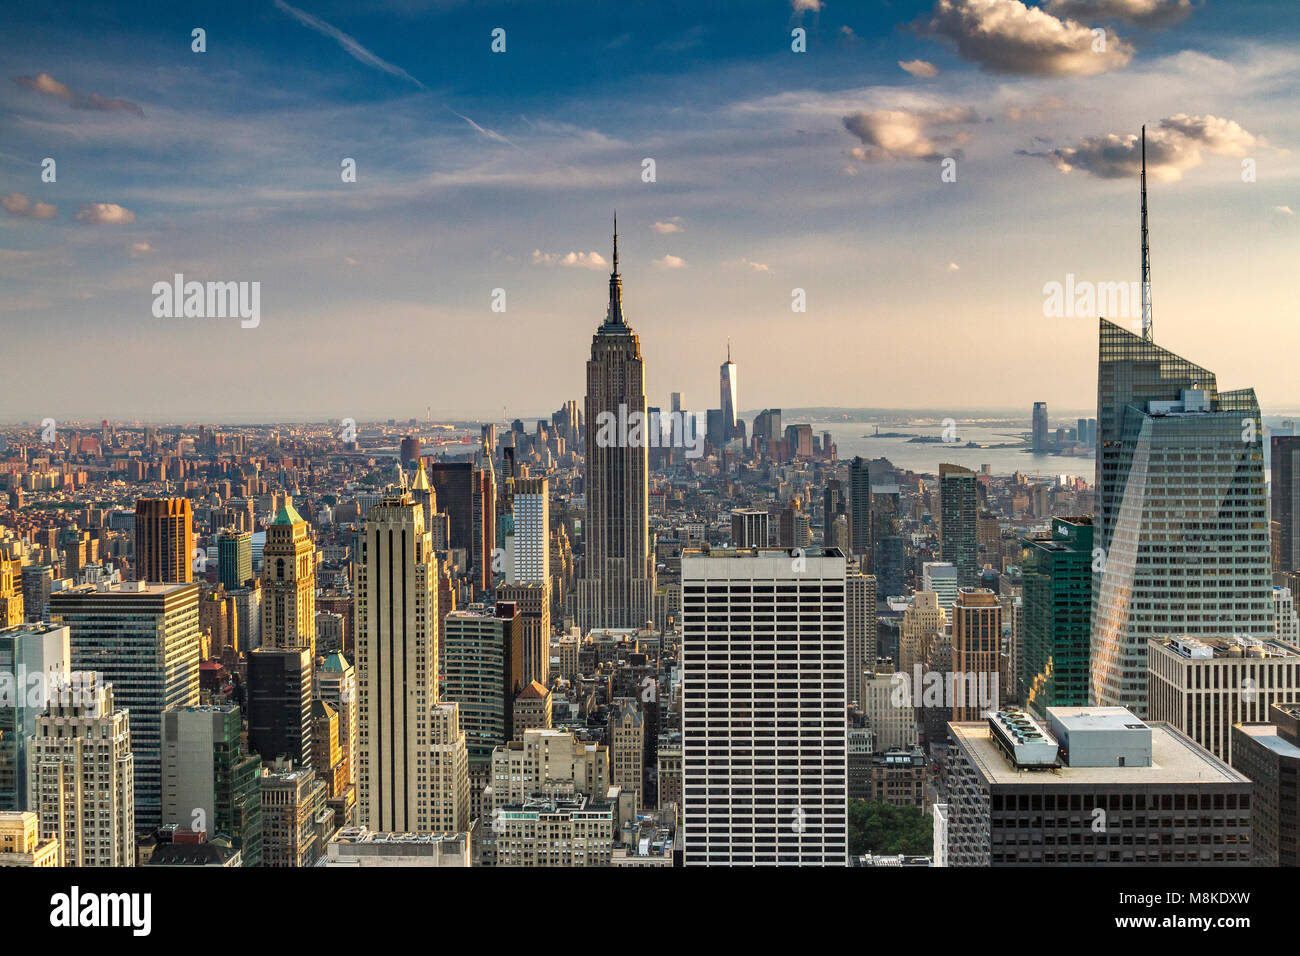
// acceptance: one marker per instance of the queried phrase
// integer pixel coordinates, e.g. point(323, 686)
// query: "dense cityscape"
point(658, 626)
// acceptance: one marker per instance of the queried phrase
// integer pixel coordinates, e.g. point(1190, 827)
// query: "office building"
point(941, 578)
point(293, 817)
point(397, 665)
point(533, 601)
point(482, 668)
point(289, 584)
point(1181, 512)
point(209, 784)
point(335, 683)
point(21, 844)
point(448, 772)
point(1055, 644)
point(80, 780)
point(1097, 786)
point(765, 772)
point(533, 709)
point(532, 537)
point(1268, 753)
point(1285, 490)
point(143, 639)
point(554, 831)
point(164, 540)
point(279, 705)
point(749, 528)
point(976, 646)
point(626, 735)
point(34, 662)
point(548, 763)
point(1040, 442)
point(958, 510)
point(859, 630)
point(859, 507)
point(1203, 686)
point(235, 559)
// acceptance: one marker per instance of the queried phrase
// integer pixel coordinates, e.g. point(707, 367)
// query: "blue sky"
point(775, 170)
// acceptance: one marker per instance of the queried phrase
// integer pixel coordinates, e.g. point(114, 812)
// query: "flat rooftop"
point(1220, 648)
point(1175, 759)
point(1267, 736)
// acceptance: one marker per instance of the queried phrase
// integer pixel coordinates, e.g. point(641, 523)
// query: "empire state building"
point(617, 587)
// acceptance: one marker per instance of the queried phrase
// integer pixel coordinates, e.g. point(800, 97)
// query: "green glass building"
point(1055, 653)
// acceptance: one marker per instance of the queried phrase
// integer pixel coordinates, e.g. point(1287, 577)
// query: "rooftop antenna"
point(1146, 248)
point(728, 349)
point(616, 240)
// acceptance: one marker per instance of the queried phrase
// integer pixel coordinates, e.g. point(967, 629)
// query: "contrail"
point(352, 46)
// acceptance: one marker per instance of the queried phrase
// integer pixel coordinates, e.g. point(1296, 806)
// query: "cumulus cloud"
point(1284, 210)
point(953, 267)
point(1142, 13)
point(105, 214)
point(919, 68)
point(756, 266)
point(580, 260)
point(806, 6)
point(49, 86)
point(16, 204)
point(664, 227)
point(1006, 36)
point(670, 262)
point(909, 134)
point(1178, 143)
point(140, 249)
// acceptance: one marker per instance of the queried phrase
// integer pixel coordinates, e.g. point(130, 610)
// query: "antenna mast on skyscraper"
point(1146, 248)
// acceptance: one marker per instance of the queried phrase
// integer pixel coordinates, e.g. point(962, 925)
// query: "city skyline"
point(760, 188)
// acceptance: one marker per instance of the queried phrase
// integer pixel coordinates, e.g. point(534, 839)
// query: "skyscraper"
point(859, 507)
point(482, 655)
point(728, 387)
point(531, 562)
point(1285, 489)
point(976, 646)
point(1054, 666)
point(279, 705)
point(164, 540)
point(958, 522)
point(1039, 442)
point(397, 665)
point(144, 640)
point(209, 784)
point(1181, 512)
point(765, 769)
point(617, 589)
point(27, 653)
point(81, 782)
point(289, 584)
point(235, 559)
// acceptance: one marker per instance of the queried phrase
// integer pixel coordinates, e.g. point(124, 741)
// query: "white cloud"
point(16, 204)
point(908, 134)
point(105, 214)
point(807, 6)
point(140, 249)
point(581, 260)
point(953, 267)
point(1174, 146)
point(670, 262)
point(1006, 36)
point(48, 85)
point(667, 226)
point(1284, 210)
point(1145, 13)
point(919, 68)
point(756, 266)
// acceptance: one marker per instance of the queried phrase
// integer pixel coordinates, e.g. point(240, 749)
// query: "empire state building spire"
point(614, 315)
